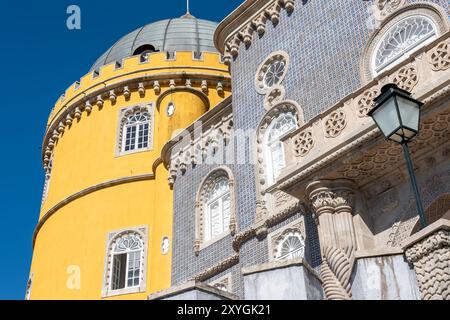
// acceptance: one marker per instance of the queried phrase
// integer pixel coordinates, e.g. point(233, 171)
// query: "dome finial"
point(188, 13)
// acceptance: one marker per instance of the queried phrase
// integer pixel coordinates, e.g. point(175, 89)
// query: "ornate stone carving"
point(303, 143)
point(335, 123)
point(257, 24)
point(386, 7)
point(271, 72)
point(276, 95)
point(431, 260)
point(336, 272)
point(384, 157)
point(219, 268)
point(406, 78)
point(440, 56)
point(366, 103)
point(332, 202)
point(296, 228)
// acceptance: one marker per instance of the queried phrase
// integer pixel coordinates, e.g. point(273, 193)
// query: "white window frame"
point(268, 147)
point(107, 290)
point(208, 223)
point(124, 114)
point(406, 52)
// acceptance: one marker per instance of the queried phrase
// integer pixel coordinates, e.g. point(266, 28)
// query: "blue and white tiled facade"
point(325, 42)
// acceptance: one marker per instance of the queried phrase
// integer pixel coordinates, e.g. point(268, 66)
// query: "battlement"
point(208, 63)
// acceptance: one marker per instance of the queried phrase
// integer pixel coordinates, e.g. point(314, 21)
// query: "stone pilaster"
point(332, 202)
point(429, 252)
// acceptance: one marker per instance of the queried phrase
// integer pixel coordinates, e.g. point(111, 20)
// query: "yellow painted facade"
point(93, 191)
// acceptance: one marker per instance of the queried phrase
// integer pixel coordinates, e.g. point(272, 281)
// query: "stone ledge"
point(378, 252)
point(190, 286)
point(441, 224)
point(273, 265)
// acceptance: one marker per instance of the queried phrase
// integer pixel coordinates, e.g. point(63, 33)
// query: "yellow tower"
point(105, 226)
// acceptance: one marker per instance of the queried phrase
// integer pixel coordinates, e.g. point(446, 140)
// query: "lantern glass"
point(386, 117)
point(396, 114)
point(410, 116)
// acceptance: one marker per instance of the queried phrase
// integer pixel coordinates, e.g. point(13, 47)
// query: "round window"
point(271, 72)
point(170, 109)
point(274, 74)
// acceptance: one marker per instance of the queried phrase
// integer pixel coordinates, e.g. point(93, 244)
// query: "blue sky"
point(40, 58)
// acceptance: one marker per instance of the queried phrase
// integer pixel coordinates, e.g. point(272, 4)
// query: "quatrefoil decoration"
point(406, 78)
point(366, 103)
point(440, 57)
point(303, 143)
point(335, 123)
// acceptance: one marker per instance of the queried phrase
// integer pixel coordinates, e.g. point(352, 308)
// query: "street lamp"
point(397, 115)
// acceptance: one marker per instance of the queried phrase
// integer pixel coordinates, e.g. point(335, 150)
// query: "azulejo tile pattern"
point(325, 41)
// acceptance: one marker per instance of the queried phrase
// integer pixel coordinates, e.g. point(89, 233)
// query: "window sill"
point(214, 240)
point(126, 153)
point(112, 293)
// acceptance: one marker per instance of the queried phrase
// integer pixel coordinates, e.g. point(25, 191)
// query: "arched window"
point(290, 246)
point(218, 208)
point(214, 208)
point(127, 259)
point(274, 151)
point(402, 39)
point(125, 263)
point(135, 130)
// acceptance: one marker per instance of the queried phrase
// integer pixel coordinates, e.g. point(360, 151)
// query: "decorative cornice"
point(246, 22)
point(260, 229)
point(207, 120)
point(84, 192)
point(217, 269)
point(97, 94)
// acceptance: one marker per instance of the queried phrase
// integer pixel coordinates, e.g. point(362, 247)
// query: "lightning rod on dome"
point(188, 11)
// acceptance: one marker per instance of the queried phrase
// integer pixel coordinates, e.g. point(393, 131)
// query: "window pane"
point(216, 223)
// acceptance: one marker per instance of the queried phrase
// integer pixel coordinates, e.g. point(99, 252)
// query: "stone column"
point(429, 252)
point(332, 202)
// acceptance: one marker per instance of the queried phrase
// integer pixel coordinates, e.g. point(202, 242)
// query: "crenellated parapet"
point(155, 76)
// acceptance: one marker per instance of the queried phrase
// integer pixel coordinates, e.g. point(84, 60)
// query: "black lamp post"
point(397, 115)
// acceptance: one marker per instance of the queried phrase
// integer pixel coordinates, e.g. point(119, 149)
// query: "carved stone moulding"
point(254, 26)
point(429, 253)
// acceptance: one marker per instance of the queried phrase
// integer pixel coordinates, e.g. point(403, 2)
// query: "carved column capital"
point(330, 196)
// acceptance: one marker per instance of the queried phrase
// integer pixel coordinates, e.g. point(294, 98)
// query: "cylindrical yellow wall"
point(85, 155)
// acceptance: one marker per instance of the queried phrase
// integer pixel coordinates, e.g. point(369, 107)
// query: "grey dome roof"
point(180, 34)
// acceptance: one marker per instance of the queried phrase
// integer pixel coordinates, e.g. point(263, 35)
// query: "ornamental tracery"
point(404, 37)
point(406, 78)
point(335, 124)
point(290, 245)
point(270, 75)
point(366, 103)
point(440, 56)
point(303, 143)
